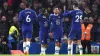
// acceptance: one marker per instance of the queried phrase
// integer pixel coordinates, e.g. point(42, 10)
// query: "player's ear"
point(53, 10)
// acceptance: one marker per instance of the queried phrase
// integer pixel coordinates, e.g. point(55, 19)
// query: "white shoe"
point(56, 54)
point(42, 53)
point(81, 54)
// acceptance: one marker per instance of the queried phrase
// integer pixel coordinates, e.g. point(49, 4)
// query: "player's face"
point(56, 11)
point(46, 13)
point(3, 18)
point(91, 20)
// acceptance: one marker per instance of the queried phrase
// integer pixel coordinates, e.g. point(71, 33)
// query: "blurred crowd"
point(9, 10)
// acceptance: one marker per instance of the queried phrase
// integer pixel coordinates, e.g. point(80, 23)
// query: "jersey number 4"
point(78, 18)
point(28, 19)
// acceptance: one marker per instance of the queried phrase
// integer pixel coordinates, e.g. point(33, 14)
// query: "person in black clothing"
point(36, 7)
point(10, 15)
point(5, 8)
point(21, 7)
point(4, 27)
point(97, 31)
point(15, 4)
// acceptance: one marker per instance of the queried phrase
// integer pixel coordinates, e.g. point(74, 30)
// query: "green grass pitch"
point(54, 55)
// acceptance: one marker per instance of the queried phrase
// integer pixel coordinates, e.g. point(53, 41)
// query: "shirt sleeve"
point(20, 17)
point(50, 18)
point(67, 14)
point(51, 24)
point(35, 18)
point(39, 16)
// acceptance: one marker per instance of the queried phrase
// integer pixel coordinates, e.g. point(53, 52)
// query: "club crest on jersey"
point(58, 16)
point(53, 18)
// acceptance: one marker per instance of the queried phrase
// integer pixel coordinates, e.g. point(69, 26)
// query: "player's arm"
point(40, 16)
point(50, 26)
point(51, 30)
point(66, 13)
point(50, 21)
point(20, 17)
point(35, 17)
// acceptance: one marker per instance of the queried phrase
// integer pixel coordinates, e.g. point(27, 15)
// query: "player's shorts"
point(27, 33)
point(58, 36)
point(43, 37)
point(75, 34)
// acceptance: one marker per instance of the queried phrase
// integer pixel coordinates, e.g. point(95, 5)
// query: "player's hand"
point(85, 32)
point(51, 34)
point(64, 8)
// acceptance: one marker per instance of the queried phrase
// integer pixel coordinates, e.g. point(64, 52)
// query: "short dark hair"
point(76, 4)
point(55, 7)
point(27, 5)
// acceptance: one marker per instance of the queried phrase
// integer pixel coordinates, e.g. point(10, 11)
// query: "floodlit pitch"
point(53, 55)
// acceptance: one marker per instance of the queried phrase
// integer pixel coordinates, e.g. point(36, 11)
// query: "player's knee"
point(79, 42)
point(69, 42)
point(28, 39)
point(44, 45)
point(57, 44)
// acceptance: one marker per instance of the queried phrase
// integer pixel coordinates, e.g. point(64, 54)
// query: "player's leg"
point(57, 43)
point(70, 39)
point(42, 41)
point(28, 41)
point(27, 45)
point(58, 38)
point(79, 42)
point(44, 46)
point(24, 42)
point(69, 46)
point(80, 47)
point(57, 47)
point(42, 49)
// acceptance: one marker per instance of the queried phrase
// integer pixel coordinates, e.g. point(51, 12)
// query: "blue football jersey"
point(56, 22)
point(76, 16)
point(27, 17)
point(43, 22)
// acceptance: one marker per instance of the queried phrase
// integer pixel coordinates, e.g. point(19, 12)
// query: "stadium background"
point(9, 10)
